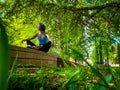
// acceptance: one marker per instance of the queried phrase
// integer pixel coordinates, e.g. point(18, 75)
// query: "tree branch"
point(115, 4)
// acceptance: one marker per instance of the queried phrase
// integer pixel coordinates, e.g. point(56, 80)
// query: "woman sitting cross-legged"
point(44, 39)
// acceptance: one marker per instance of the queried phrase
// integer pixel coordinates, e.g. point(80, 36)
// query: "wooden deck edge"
point(35, 57)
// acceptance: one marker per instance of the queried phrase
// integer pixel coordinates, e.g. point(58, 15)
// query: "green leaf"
point(4, 57)
point(98, 87)
point(108, 78)
point(102, 84)
point(71, 82)
point(13, 67)
point(41, 88)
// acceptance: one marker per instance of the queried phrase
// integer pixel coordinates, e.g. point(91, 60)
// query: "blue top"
point(42, 40)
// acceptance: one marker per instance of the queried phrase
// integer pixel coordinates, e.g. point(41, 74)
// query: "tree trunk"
point(118, 53)
point(97, 54)
point(100, 52)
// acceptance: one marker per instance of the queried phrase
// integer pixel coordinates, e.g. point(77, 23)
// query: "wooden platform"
point(33, 57)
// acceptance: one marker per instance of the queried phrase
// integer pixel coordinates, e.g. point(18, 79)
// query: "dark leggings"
point(45, 47)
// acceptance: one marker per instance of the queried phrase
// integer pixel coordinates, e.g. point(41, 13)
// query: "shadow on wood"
point(33, 57)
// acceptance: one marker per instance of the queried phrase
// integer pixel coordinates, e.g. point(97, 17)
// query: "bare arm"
point(30, 38)
point(49, 38)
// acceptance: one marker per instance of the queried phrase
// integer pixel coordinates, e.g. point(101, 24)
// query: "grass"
point(73, 78)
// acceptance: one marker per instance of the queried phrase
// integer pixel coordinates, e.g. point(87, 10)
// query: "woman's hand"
point(52, 44)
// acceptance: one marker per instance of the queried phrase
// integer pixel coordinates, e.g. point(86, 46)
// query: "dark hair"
point(41, 27)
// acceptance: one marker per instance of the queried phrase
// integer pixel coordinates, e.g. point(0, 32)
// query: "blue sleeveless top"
point(42, 40)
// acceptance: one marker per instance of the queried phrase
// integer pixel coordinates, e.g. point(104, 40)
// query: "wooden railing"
point(33, 57)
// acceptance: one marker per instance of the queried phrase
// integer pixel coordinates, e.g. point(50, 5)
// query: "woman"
point(44, 39)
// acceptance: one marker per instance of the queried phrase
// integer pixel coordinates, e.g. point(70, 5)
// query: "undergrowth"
point(70, 78)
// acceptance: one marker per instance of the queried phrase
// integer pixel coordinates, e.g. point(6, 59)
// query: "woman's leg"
point(30, 44)
point(46, 47)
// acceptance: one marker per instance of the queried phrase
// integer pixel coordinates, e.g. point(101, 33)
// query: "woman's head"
point(41, 27)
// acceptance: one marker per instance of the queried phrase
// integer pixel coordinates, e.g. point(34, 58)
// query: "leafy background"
point(79, 28)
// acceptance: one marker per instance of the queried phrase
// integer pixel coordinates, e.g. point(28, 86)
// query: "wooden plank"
point(31, 55)
point(36, 62)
